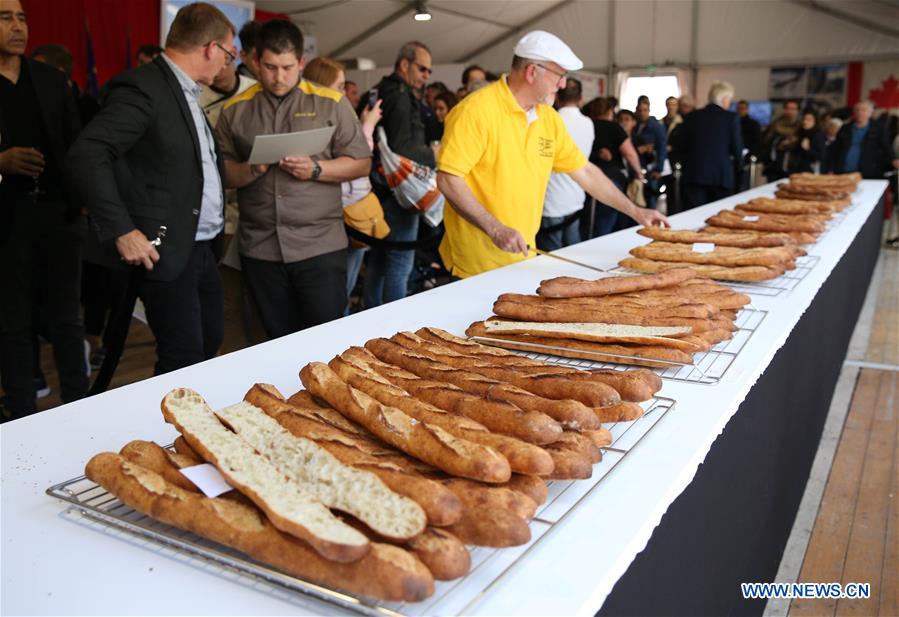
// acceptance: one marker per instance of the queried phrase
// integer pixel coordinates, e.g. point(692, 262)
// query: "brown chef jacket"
point(282, 218)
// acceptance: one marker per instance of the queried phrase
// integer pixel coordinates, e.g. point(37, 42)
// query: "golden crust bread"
point(566, 287)
point(386, 572)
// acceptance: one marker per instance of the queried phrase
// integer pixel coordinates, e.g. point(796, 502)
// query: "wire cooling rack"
point(786, 282)
point(707, 367)
point(92, 506)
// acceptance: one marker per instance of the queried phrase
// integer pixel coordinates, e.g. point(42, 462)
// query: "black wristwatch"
point(316, 170)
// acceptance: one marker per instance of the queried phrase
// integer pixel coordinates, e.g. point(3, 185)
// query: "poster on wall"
point(821, 86)
point(787, 82)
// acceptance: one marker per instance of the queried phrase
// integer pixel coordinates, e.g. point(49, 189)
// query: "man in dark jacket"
point(387, 271)
point(862, 145)
point(149, 159)
point(650, 138)
point(41, 231)
point(712, 148)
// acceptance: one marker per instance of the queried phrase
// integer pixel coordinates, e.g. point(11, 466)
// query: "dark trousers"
point(186, 314)
point(605, 218)
point(40, 286)
point(102, 291)
point(695, 195)
point(297, 295)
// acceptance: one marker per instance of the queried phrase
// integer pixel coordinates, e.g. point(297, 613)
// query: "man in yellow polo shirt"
point(499, 146)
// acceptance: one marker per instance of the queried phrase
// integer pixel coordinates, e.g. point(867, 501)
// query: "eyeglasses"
point(557, 73)
point(425, 70)
point(231, 57)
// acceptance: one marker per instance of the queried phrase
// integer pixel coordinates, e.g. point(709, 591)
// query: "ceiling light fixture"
point(421, 12)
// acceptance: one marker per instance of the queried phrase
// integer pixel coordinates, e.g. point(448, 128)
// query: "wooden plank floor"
point(856, 534)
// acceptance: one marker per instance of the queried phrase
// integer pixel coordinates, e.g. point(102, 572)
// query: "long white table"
point(52, 566)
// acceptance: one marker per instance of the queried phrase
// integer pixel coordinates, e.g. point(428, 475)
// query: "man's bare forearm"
point(465, 203)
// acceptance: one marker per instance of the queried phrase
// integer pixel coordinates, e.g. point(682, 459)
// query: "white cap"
point(540, 45)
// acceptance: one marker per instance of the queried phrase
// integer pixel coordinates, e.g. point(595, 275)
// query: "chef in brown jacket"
point(291, 239)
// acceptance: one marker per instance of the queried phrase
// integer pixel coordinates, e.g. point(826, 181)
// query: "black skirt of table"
point(731, 524)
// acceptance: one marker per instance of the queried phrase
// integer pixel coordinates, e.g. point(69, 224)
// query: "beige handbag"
point(635, 192)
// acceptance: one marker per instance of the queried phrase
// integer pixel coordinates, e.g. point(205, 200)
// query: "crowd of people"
point(143, 195)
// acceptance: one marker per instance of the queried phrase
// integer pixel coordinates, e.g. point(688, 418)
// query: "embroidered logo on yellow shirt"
point(545, 147)
point(304, 114)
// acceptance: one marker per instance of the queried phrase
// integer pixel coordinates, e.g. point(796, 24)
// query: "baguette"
point(442, 553)
point(565, 402)
point(573, 459)
point(495, 497)
point(290, 506)
point(619, 304)
point(787, 206)
point(491, 526)
point(597, 352)
point(532, 311)
point(738, 240)
point(740, 274)
point(527, 424)
point(599, 438)
point(154, 457)
point(566, 287)
point(799, 237)
point(439, 504)
point(633, 385)
point(183, 449)
point(765, 222)
point(532, 486)
point(523, 457)
point(426, 442)
point(385, 572)
point(597, 332)
point(338, 486)
point(728, 256)
point(622, 412)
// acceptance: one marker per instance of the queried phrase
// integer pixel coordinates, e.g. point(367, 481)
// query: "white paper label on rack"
point(703, 247)
point(208, 479)
point(751, 218)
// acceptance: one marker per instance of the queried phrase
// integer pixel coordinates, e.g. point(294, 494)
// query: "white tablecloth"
point(52, 566)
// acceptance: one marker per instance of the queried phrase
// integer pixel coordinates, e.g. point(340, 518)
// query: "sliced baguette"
point(289, 505)
point(597, 332)
point(385, 572)
point(336, 485)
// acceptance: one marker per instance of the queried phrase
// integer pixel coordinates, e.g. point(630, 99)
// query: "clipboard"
point(269, 149)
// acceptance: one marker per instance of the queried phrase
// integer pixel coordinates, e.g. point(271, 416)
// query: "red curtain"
point(111, 23)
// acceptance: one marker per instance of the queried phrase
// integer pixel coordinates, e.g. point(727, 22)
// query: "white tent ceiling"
point(642, 32)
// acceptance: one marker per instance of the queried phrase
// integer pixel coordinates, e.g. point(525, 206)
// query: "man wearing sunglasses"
point(387, 271)
point(149, 160)
point(499, 147)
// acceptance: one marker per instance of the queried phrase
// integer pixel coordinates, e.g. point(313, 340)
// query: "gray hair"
point(835, 122)
point(409, 51)
point(687, 100)
point(867, 104)
point(719, 91)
